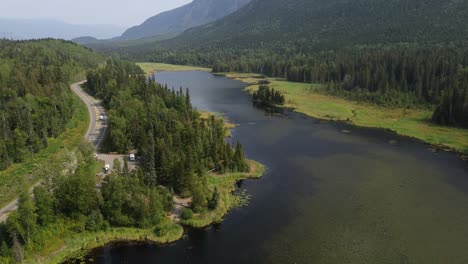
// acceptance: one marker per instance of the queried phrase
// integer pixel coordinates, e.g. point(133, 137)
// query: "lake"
point(332, 193)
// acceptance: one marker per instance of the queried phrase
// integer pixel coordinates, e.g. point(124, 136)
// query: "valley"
point(234, 131)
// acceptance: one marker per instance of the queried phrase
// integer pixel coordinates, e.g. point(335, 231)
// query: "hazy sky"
point(117, 12)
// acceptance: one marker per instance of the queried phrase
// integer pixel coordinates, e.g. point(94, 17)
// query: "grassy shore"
point(19, 177)
point(76, 245)
point(227, 199)
point(307, 99)
point(152, 67)
point(416, 123)
point(64, 244)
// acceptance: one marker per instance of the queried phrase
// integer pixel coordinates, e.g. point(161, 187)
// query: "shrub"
point(187, 214)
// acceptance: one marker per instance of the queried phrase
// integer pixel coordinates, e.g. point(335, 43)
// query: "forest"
point(396, 75)
point(178, 149)
point(35, 98)
point(68, 202)
point(161, 125)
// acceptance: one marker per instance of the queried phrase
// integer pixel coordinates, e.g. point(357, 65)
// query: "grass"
point(228, 125)
point(227, 199)
point(307, 99)
point(76, 245)
point(21, 176)
point(152, 68)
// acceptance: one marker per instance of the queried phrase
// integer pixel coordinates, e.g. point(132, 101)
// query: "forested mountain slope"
point(334, 23)
point(197, 13)
point(35, 100)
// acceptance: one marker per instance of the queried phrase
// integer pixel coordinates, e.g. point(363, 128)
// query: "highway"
point(95, 134)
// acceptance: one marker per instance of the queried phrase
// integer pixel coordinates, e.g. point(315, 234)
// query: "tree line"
point(35, 100)
point(414, 75)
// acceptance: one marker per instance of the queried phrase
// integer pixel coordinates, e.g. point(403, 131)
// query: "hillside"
point(334, 23)
point(197, 13)
point(36, 103)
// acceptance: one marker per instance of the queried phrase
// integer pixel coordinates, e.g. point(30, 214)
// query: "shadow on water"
point(332, 193)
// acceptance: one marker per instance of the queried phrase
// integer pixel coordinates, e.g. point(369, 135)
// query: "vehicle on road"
point(131, 157)
point(106, 168)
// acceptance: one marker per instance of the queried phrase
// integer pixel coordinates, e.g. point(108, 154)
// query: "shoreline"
point(78, 245)
point(74, 246)
point(252, 86)
point(404, 127)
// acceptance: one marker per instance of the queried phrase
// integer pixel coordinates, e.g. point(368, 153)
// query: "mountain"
point(196, 13)
point(85, 40)
point(42, 28)
point(333, 23)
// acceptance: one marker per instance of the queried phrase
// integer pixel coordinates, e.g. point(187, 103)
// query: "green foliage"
point(45, 202)
point(76, 195)
point(265, 95)
point(214, 201)
point(35, 100)
point(128, 202)
point(175, 143)
point(187, 214)
point(454, 107)
point(23, 222)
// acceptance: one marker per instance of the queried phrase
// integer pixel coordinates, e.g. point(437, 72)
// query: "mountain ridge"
point(332, 22)
point(194, 14)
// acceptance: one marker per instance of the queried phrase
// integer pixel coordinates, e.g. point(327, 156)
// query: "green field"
point(151, 67)
point(306, 98)
point(21, 176)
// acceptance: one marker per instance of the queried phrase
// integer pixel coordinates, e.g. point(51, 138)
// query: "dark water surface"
point(332, 193)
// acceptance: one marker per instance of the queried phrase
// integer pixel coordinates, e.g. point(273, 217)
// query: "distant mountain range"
point(42, 28)
point(196, 13)
point(310, 24)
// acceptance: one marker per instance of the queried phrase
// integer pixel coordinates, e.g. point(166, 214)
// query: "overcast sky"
point(116, 12)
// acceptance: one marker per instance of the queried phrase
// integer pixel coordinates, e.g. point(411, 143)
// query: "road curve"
point(97, 128)
point(95, 134)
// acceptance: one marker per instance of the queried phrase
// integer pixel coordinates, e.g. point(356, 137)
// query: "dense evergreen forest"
point(395, 75)
point(35, 100)
point(177, 145)
point(178, 149)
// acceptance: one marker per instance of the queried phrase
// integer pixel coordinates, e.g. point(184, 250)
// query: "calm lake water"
point(332, 193)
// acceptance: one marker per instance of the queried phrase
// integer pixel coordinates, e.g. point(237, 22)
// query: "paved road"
point(95, 134)
point(97, 128)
